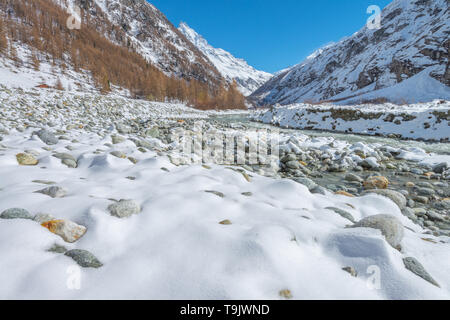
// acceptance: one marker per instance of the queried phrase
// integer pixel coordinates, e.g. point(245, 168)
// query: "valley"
point(137, 161)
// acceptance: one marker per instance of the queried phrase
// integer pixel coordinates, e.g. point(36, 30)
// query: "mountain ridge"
point(414, 36)
point(231, 68)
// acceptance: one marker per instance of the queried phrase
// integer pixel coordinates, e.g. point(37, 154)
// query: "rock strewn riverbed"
point(99, 182)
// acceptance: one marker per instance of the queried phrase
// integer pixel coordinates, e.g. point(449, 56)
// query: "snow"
point(175, 248)
point(248, 78)
point(427, 121)
point(419, 88)
point(26, 77)
point(281, 237)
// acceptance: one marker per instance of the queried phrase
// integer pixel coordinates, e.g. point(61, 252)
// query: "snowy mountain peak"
point(231, 68)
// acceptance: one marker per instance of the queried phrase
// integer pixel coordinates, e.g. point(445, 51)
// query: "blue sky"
point(270, 35)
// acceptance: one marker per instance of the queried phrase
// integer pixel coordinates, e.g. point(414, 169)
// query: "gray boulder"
point(47, 137)
point(390, 227)
point(16, 213)
point(440, 168)
point(398, 198)
point(54, 192)
point(124, 208)
point(353, 177)
point(344, 214)
point(306, 182)
point(416, 267)
point(84, 258)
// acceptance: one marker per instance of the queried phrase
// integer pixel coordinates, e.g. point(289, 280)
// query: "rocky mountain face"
point(154, 37)
point(124, 46)
point(231, 68)
point(414, 41)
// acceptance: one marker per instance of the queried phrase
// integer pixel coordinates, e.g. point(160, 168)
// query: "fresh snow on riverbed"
point(281, 237)
point(202, 232)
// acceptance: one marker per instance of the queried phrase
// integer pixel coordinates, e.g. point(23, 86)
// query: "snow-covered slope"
point(425, 121)
point(414, 37)
point(247, 78)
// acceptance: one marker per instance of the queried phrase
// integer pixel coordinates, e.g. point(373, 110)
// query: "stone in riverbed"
point(319, 190)
point(56, 248)
point(16, 213)
point(217, 193)
point(47, 137)
point(54, 192)
point(44, 182)
point(344, 214)
point(410, 184)
point(377, 182)
point(344, 193)
point(425, 192)
point(370, 163)
point(390, 227)
point(351, 271)
point(152, 132)
point(133, 160)
point(413, 265)
point(26, 159)
point(118, 154)
point(123, 129)
point(398, 198)
point(440, 168)
point(421, 199)
point(306, 182)
point(69, 163)
point(84, 258)
point(124, 208)
point(43, 217)
point(286, 294)
point(69, 231)
point(63, 156)
point(435, 216)
point(353, 178)
point(293, 165)
point(117, 139)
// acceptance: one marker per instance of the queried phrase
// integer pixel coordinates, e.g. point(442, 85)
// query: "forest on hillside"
point(41, 25)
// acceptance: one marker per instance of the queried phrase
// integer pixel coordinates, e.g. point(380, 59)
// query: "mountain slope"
point(36, 44)
point(247, 78)
point(154, 37)
point(414, 37)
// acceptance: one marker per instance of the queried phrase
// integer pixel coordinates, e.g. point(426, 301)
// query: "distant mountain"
point(247, 78)
point(413, 43)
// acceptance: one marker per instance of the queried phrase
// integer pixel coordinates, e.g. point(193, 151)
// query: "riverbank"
point(424, 121)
